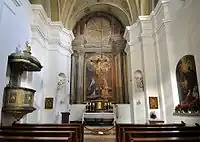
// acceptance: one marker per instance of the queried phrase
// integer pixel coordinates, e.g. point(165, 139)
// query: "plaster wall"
point(56, 42)
point(123, 113)
point(51, 45)
point(185, 33)
point(14, 33)
point(162, 38)
point(138, 107)
point(175, 26)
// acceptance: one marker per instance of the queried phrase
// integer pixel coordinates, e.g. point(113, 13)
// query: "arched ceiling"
point(73, 10)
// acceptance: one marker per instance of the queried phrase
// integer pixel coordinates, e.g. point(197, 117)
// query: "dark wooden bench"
point(120, 128)
point(78, 128)
point(33, 139)
point(166, 139)
point(154, 134)
point(39, 133)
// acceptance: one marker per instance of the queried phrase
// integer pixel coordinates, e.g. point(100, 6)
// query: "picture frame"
point(48, 103)
point(153, 102)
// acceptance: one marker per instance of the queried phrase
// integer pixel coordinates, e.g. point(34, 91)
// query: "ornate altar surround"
point(98, 61)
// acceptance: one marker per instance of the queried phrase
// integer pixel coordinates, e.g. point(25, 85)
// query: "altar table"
point(100, 115)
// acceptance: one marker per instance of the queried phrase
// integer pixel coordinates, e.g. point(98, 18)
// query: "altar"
point(101, 118)
point(99, 111)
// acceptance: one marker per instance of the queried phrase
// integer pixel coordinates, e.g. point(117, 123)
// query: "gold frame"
point(48, 103)
point(153, 102)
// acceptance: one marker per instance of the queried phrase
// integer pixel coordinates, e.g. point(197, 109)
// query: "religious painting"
point(153, 102)
point(139, 85)
point(12, 97)
point(98, 76)
point(48, 103)
point(187, 83)
point(28, 99)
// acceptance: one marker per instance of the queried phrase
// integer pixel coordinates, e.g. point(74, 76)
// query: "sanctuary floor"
point(94, 134)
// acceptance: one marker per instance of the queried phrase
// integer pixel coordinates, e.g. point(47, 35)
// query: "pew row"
point(128, 132)
point(166, 139)
point(72, 132)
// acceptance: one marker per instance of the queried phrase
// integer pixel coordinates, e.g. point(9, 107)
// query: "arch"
point(107, 7)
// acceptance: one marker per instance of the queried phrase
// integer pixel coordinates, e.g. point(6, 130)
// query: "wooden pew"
point(120, 128)
point(155, 134)
point(78, 128)
point(167, 139)
point(29, 133)
point(33, 139)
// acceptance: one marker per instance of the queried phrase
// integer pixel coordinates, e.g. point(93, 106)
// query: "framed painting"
point(153, 102)
point(48, 103)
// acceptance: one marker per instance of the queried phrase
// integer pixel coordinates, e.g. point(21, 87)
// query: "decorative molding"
point(41, 12)
point(54, 34)
point(8, 6)
point(17, 3)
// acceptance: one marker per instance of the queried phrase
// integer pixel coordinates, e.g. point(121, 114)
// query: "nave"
point(114, 68)
point(162, 132)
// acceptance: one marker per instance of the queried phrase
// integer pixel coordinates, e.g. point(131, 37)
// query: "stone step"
point(99, 138)
point(99, 130)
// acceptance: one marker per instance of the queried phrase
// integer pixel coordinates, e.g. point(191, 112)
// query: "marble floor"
point(99, 134)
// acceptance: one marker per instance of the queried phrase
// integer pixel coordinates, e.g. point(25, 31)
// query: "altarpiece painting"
point(98, 77)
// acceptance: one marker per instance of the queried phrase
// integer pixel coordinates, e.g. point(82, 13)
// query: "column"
point(149, 63)
point(125, 79)
point(73, 75)
point(80, 76)
point(119, 77)
point(129, 81)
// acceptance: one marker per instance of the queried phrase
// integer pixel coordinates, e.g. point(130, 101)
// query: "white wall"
point(15, 30)
point(123, 113)
point(167, 34)
point(51, 45)
point(185, 34)
point(53, 42)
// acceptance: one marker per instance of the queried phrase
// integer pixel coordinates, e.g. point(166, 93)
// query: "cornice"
point(55, 24)
point(51, 29)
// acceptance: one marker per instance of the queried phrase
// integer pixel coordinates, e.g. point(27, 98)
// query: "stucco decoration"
point(139, 83)
point(61, 84)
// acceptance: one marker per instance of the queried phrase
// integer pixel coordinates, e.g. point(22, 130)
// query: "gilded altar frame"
point(88, 56)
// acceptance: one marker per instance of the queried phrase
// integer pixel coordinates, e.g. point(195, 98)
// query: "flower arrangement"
point(186, 108)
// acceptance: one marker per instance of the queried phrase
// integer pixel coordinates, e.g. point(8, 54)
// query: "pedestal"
point(65, 117)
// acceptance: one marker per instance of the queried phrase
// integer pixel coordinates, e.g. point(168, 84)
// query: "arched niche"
point(187, 84)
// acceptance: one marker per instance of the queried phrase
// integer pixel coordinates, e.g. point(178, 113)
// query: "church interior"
point(100, 70)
